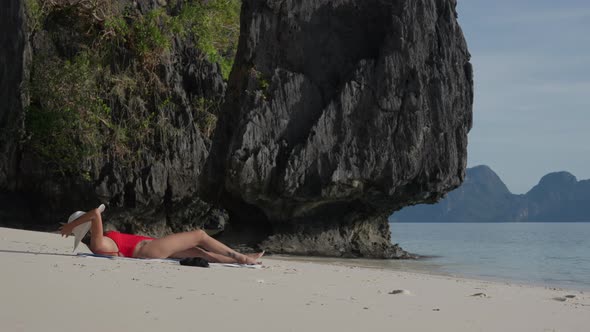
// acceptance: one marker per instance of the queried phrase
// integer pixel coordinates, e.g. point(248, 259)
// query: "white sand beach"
point(44, 287)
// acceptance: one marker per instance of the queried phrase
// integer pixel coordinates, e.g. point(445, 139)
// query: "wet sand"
point(46, 288)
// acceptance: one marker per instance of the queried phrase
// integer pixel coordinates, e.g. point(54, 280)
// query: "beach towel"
point(167, 260)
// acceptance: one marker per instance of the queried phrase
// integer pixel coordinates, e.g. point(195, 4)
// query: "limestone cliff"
point(337, 114)
point(106, 107)
point(13, 72)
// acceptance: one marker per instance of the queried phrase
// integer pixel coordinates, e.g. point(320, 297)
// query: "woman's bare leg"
point(208, 256)
point(177, 243)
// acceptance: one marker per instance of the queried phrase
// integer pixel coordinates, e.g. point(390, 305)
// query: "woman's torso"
point(125, 245)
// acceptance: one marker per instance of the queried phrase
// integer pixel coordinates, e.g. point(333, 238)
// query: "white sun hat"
point(81, 230)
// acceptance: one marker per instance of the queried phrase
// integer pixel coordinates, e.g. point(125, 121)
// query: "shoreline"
point(421, 265)
point(428, 270)
point(49, 289)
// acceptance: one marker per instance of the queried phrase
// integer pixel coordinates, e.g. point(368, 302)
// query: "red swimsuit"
point(126, 242)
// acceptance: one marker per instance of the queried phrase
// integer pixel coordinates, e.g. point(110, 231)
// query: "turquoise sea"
point(548, 254)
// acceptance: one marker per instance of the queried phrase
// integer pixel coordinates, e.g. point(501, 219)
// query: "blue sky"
point(532, 87)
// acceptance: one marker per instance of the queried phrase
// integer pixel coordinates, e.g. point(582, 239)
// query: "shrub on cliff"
point(100, 89)
point(66, 116)
point(216, 27)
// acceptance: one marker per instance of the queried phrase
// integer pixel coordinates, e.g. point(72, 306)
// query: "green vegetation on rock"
point(35, 14)
point(66, 118)
point(205, 110)
point(101, 88)
point(216, 26)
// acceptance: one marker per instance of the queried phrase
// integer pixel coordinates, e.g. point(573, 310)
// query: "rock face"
point(13, 72)
point(337, 114)
point(15, 61)
point(150, 190)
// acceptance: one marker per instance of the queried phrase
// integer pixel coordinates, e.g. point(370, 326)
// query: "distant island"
point(483, 197)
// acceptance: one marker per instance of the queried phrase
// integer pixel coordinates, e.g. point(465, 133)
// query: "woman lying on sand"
point(180, 245)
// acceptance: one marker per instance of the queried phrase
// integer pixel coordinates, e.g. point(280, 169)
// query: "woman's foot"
point(251, 259)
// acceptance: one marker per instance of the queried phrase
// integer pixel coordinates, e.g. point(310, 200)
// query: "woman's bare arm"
point(86, 217)
point(96, 229)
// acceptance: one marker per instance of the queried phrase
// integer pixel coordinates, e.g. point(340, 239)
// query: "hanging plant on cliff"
point(66, 114)
point(109, 53)
point(215, 25)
